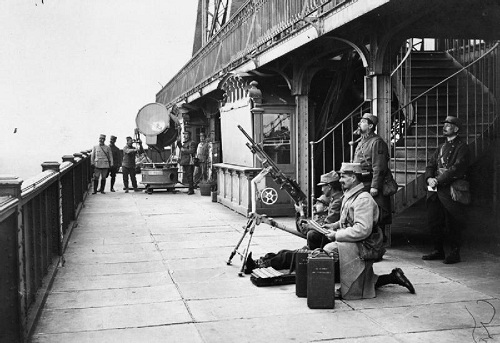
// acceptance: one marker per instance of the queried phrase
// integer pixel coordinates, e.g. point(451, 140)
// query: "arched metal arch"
point(361, 51)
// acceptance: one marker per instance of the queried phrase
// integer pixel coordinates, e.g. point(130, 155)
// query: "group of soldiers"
point(352, 216)
point(107, 160)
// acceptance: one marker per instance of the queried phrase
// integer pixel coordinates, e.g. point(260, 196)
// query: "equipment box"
point(320, 281)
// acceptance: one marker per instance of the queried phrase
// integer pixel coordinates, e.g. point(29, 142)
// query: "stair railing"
point(469, 93)
point(330, 142)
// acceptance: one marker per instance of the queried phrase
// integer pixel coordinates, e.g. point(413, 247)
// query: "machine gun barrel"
point(286, 183)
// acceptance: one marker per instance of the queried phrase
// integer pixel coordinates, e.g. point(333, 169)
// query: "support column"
point(302, 140)
point(381, 104)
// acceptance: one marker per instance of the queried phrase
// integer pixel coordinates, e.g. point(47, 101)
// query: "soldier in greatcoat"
point(448, 163)
point(358, 217)
point(101, 159)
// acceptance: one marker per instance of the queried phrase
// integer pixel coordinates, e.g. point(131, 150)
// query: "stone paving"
point(151, 268)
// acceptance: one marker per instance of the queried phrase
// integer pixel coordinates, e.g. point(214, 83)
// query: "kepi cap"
point(351, 168)
point(328, 178)
point(324, 200)
point(453, 120)
point(102, 136)
point(128, 138)
point(370, 117)
point(112, 137)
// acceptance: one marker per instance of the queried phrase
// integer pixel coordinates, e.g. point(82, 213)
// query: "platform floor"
point(152, 268)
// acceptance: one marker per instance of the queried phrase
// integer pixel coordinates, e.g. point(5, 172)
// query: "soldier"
point(448, 163)
point(200, 171)
point(358, 219)
point(188, 149)
point(372, 153)
point(128, 165)
point(117, 161)
point(101, 160)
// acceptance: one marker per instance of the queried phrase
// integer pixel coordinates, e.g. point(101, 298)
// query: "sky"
point(71, 70)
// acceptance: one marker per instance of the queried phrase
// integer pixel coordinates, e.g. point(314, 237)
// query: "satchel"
point(460, 191)
point(390, 186)
point(372, 247)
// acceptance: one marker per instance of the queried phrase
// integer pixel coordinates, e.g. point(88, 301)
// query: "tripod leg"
point(252, 229)
point(235, 250)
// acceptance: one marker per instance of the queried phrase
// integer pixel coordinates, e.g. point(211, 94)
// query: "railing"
point(469, 92)
point(334, 143)
point(257, 26)
point(36, 218)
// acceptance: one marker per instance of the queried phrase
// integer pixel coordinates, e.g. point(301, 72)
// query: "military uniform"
point(373, 154)
point(448, 163)
point(188, 149)
point(101, 158)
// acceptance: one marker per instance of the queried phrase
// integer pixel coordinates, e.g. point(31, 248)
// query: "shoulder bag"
point(390, 186)
point(460, 191)
point(372, 247)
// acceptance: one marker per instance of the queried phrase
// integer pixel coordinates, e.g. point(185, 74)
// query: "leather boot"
point(96, 183)
point(453, 257)
point(111, 189)
point(103, 184)
point(399, 278)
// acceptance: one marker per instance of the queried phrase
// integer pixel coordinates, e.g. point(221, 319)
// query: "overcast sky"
point(72, 69)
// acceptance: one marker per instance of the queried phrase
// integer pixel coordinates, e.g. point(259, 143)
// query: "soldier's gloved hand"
point(373, 192)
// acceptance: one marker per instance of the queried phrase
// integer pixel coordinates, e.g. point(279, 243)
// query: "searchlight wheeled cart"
point(161, 129)
point(160, 176)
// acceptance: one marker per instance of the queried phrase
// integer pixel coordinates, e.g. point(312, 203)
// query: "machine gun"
point(289, 185)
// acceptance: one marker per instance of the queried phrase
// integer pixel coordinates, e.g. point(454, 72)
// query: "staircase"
point(469, 95)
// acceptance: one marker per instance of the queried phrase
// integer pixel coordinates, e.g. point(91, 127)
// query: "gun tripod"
point(255, 219)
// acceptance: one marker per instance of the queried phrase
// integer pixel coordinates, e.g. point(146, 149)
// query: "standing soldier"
point(101, 159)
point(117, 161)
point(200, 171)
point(188, 149)
point(372, 153)
point(128, 165)
point(448, 163)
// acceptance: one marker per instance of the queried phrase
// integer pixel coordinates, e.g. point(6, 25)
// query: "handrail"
point(447, 78)
point(403, 60)
point(340, 123)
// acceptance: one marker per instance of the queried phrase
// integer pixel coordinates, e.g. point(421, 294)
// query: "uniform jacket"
point(101, 156)
point(188, 148)
point(117, 156)
point(373, 154)
point(129, 157)
point(448, 163)
point(454, 157)
point(334, 207)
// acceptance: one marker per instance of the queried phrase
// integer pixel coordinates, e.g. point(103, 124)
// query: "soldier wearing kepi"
point(372, 153)
point(188, 149)
point(358, 219)
point(101, 159)
point(117, 161)
point(330, 187)
point(200, 171)
point(448, 163)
